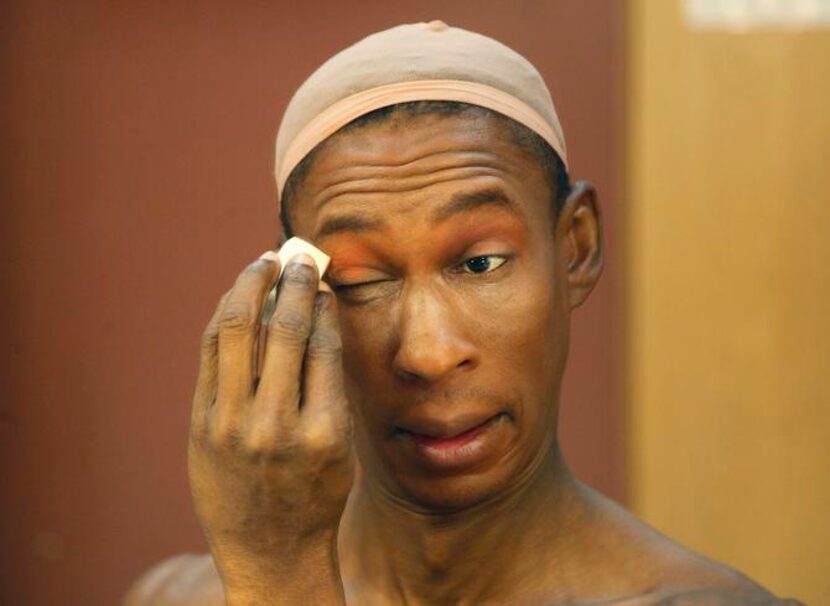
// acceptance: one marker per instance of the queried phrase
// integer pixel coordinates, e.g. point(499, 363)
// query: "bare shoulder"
point(668, 573)
point(708, 597)
point(182, 580)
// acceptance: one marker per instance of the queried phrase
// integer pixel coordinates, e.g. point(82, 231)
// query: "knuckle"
point(210, 337)
point(236, 317)
point(291, 325)
point(265, 444)
point(222, 435)
point(222, 426)
point(325, 344)
point(323, 442)
point(198, 431)
point(260, 444)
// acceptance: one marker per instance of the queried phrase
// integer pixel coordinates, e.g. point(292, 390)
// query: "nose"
point(432, 345)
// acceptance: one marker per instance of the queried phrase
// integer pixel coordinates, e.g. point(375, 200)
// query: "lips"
point(445, 437)
point(458, 443)
point(444, 429)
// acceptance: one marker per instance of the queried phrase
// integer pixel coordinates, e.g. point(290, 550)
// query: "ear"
point(579, 232)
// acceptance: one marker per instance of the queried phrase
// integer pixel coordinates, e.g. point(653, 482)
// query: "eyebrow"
point(466, 201)
point(461, 202)
point(348, 223)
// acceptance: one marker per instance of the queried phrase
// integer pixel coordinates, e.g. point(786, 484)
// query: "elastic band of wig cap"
point(349, 108)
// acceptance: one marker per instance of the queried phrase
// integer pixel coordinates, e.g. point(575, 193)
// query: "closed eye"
point(345, 287)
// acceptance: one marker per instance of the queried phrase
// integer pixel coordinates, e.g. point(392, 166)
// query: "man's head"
point(458, 249)
point(548, 159)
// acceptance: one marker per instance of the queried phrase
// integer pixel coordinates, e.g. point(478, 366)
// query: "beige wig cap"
point(414, 62)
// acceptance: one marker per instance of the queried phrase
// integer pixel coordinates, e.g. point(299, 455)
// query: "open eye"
point(483, 264)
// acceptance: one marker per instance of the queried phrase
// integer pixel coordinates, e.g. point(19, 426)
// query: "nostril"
point(410, 378)
point(465, 364)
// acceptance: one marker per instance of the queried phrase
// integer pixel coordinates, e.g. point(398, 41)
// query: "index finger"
point(278, 391)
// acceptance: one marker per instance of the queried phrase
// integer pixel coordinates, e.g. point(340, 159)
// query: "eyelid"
point(345, 278)
point(336, 286)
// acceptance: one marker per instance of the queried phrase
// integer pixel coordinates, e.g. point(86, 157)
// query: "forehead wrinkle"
point(356, 170)
point(366, 187)
point(486, 159)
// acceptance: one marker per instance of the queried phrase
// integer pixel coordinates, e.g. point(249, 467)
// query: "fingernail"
point(303, 259)
point(270, 255)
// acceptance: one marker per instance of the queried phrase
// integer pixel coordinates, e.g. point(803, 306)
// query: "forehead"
point(405, 163)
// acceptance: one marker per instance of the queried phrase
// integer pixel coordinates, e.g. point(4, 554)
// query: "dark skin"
point(439, 362)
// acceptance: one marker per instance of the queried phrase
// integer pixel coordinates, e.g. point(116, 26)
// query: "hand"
point(270, 456)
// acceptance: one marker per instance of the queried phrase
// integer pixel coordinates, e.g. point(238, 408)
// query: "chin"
point(452, 491)
point(452, 494)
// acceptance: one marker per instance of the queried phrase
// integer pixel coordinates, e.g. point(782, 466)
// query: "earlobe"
point(580, 228)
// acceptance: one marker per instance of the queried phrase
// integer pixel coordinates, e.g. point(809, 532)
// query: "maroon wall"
point(136, 160)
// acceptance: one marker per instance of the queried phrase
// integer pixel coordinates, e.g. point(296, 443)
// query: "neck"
point(484, 554)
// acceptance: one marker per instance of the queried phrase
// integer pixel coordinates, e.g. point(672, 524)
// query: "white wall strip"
point(745, 15)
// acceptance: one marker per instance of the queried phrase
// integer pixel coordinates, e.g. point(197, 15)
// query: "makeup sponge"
point(288, 250)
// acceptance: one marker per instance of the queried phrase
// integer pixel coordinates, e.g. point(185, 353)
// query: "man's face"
point(452, 298)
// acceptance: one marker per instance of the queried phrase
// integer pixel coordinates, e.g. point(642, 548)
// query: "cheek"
point(527, 356)
point(364, 337)
point(525, 339)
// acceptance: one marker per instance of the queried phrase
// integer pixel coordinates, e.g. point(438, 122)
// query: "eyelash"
point(504, 259)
